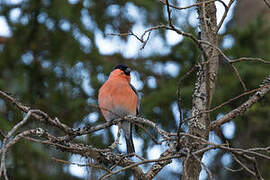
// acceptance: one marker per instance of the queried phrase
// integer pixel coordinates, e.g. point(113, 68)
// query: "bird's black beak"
point(127, 71)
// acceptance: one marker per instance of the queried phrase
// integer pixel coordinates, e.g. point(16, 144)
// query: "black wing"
point(136, 92)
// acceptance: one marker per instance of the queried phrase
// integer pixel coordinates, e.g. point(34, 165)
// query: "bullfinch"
point(118, 98)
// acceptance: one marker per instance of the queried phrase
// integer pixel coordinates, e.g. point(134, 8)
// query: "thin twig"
point(138, 163)
point(149, 134)
point(179, 101)
point(267, 3)
point(81, 165)
point(249, 59)
point(239, 77)
point(234, 170)
point(244, 107)
point(187, 7)
point(3, 149)
point(116, 142)
point(210, 176)
point(243, 165)
point(227, 8)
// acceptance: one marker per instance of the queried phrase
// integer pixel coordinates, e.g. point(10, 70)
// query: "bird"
point(118, 98)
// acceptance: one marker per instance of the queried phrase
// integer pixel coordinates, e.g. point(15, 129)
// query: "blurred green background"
point(58, 55)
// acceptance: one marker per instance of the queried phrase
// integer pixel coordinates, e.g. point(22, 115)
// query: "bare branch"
point(149, 134)
point(4, 149)
point(234, 170)
point(267, 3)
point(210, 176)
point(249, 59)
point(179, 101)
point(243, 165)
point(256, 169)
point(40, 115)
point(187, 7)
point(239, 77)
point(82, 165)
point(227, 8)
point(116, 142)
point(165, 159)
point(265, 87)
point(232, 99)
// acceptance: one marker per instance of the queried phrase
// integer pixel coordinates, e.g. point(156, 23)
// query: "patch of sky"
point(157, 68)
point(176, 113)
point(154, 152)
point(203, 175)
point(183, 14)
point(106, 46)
point(58, 71)
point(151, 82)
point(131, 48)
point(87, 3)
point(4, 30)
point(173, 38)
point(24, 19)
point(49, 24)
point(135, 80)
point(42, 17)
point(83, 40)
point(101, 77)
point(193, 18)
point(220, 13)
point(209, 156)
point(138, 142)
point(214, 138)
point(228, 41)
point(172, 68)
point(45, 64)
point(93, 117)
point(10, 116)
point(156, 45)
point(113, 10)
point(80, 71)
point(91, 100)
point(134, 12)
point(12, 2)
point(175, 167)
point(87, 20)
point(228, 128)
point(73, 1)
point(64, 24)
point(46, 3)
point(88, 119)
point(2, 105)
point(226, 159)
point(27, 57)
point(157, 110)
point(15, 14)
point(78, 171)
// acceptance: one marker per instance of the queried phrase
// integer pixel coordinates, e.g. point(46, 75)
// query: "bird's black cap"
point(124, 68)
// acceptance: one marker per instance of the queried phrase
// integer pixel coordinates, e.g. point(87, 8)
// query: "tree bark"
point(204, 89)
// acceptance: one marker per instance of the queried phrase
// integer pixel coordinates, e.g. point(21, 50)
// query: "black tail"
point(127, 128)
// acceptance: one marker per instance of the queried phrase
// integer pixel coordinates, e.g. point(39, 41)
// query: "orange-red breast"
point(117, 97)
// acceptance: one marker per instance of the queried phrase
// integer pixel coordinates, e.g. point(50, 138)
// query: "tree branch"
point(265, 87)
